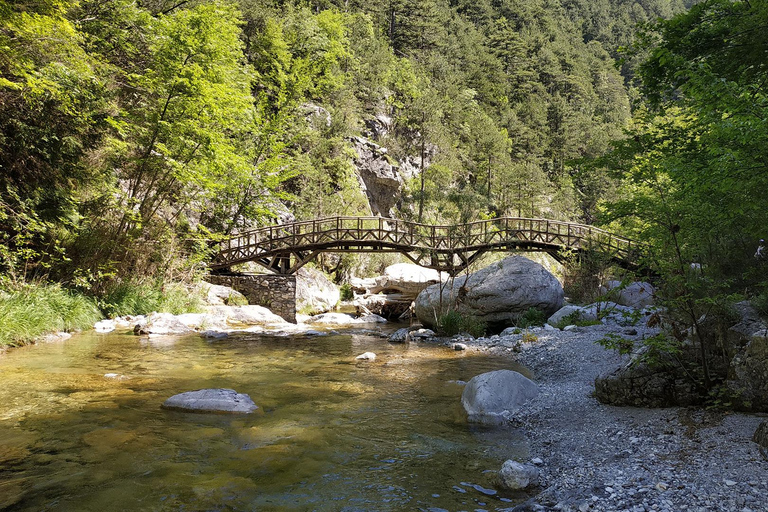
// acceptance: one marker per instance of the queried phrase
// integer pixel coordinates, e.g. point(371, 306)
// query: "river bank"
point(604, 458)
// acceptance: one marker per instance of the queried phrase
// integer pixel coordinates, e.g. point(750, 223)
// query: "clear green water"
point(331, 433)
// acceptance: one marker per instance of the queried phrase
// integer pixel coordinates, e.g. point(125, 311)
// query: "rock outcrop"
point(498, 295)
point(748, 370)
point(493, 397)
point(761, 438)
point(218, 295)
point(737, 355)
point(392, 293)
point(315, 293)
point(664, 383)
point(378, 175)
point(211, 401)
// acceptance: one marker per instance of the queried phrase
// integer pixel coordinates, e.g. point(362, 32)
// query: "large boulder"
point(218, 295)
point(379, 176)
point(497, 295)
point(245, 315)
point(636, 294)
point(494, 396)
point(406, 279)
point(315, 293)
point(570, 314)
point(211, 401)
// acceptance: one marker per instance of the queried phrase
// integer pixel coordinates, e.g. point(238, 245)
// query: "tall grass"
point(130, 298)
point(34, 310)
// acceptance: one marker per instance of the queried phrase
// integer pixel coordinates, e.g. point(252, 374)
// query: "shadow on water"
point(331, 433)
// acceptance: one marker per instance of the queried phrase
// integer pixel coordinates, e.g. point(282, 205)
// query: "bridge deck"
point(285, 248)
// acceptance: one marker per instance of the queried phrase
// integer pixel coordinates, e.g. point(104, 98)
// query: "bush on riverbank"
point(34, 310)
point(454, 322)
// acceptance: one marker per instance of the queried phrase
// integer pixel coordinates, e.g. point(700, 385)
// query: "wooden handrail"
point(405, 236)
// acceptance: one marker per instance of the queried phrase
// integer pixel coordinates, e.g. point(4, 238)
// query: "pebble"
point(608, 459)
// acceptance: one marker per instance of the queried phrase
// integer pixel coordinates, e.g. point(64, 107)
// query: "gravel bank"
point(605, 458)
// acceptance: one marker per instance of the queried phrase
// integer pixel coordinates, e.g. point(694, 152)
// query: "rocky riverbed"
point(604, 458)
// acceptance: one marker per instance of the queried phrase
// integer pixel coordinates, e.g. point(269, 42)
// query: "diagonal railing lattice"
point(285, 248)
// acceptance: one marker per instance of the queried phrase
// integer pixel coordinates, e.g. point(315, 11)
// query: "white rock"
point(459, 346)
point(161, 324)
point(247, 315)
point(104, 326)
point(315, 293)
point(332, 319)
point(366, 356)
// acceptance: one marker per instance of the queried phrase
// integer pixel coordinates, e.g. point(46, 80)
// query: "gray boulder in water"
point(498, 294)
point(494, 396)
point(211, 401)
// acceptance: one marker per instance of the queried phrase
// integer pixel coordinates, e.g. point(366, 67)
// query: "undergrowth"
point(531, 318)
point(33, 310)
point(144, 298)
point(454, 322)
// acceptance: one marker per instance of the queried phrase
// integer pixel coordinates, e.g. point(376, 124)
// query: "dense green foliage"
point(694, 167)
point(131, 133)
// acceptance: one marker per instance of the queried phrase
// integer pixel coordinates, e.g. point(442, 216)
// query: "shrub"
point(531, 318)
point(575, 319)
point(345, 292)
point(454, 322)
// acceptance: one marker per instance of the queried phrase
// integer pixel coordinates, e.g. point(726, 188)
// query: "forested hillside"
point(131, 129)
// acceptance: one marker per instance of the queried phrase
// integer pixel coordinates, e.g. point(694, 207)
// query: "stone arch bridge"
point(284, 249)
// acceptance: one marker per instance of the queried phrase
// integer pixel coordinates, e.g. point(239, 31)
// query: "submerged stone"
point(211, 401)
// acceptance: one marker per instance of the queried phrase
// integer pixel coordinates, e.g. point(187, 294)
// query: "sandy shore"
point(605, 458)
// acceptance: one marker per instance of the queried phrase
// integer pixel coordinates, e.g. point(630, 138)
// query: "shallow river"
point(330, 433)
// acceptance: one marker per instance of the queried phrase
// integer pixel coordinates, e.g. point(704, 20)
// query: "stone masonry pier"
point(274, 291)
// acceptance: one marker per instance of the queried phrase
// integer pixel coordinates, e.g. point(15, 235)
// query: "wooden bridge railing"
point(448, 248)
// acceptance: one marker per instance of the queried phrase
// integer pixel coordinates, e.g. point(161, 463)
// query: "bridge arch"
point(285, 248)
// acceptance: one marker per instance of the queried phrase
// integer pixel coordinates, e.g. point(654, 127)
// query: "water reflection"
point(331, 433)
